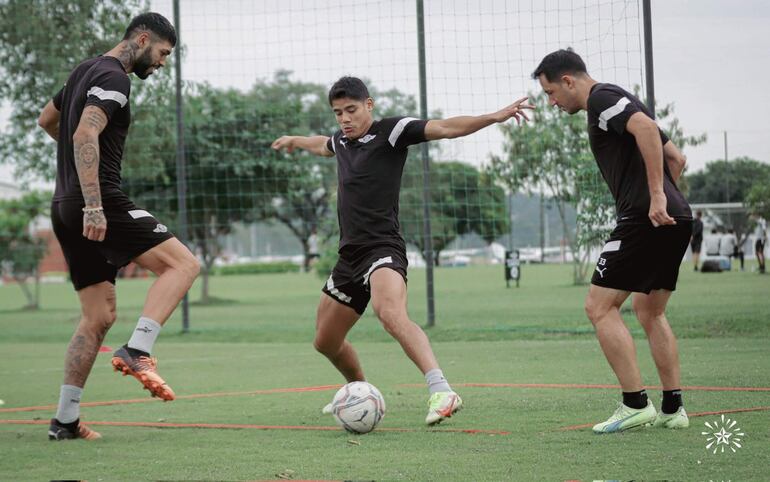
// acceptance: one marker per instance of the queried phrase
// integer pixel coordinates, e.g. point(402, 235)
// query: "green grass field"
point(259, 337)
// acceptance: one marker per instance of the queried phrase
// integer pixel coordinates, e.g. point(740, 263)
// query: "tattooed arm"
point(49, 120)
point(86, 147)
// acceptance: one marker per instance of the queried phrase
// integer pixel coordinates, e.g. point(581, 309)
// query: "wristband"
point(93, 210)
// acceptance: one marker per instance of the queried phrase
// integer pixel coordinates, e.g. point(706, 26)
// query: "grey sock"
point(69, 404)
point(145, 334)
point(436, 381)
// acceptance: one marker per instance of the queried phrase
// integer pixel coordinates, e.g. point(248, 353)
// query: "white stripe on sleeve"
point(611, 112)
point(398, 129)
point(108, 95)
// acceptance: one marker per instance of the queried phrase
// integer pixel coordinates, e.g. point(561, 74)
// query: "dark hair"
point(350, 88)
point(556, 64)
point(153, 22)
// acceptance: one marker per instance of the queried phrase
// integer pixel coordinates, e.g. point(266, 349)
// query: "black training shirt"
point(369, 180)
point(102, 82)
point(619, 158)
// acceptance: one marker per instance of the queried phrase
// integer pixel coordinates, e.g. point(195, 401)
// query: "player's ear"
point(369, 104)
point(568, 81)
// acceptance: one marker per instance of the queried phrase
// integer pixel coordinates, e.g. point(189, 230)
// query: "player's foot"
point(328, 409)
point(626, 418)
point(144, 369)
point(677, 419)
point(70, 431)
point(442, 405)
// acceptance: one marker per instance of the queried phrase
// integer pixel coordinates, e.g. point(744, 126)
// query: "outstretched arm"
point(49, 120)
point(463, 125)
point(645, 130)
point(313, 144)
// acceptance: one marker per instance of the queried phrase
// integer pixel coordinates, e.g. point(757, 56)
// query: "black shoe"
point(70, 431)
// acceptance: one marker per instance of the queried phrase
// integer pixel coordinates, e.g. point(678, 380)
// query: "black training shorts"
point(130, 232)
point(640, 258)
point(349, 281)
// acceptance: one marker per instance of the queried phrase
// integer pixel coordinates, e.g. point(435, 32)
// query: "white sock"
point(69, 404)
point(436, 381)
point(145, 334)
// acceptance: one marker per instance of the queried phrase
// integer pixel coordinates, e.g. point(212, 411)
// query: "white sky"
point(710, 55)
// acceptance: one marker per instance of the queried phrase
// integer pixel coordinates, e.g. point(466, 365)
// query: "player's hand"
point(284, 142)
point(515, 110)
point(658, 214)
point(94, 225)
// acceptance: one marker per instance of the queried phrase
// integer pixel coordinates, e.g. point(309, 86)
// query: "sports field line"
point(691, 415)
point(254, 427)
point(599, 386)
point(319, 388)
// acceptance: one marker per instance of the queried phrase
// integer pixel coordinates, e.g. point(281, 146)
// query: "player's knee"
point(325, 346)
point(392, 319)
point(594, 310)
point(101, 319)
point(190, 266)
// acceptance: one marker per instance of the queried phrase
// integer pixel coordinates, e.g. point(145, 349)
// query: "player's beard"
point(143, 64)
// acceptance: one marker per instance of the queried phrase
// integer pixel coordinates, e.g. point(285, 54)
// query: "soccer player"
point(97, 225)
point(696, 240)
point(372, 252)
point(654, 224)
point(759, 244)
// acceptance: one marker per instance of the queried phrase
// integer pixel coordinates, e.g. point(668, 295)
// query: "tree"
point(463, 201)
point(758, 198)
point(726, 181)
point(20, 248)
point(551, 155)
point(40, 43)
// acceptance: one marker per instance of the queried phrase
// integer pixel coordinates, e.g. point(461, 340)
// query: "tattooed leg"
point(98, 305)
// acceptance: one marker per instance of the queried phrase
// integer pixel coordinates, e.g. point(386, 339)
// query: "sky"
point(709, 55)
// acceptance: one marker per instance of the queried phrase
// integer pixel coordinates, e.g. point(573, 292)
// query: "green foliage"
point(21, 249)
point(41, 41)
point(726, 181)
point(758, 199)
point(257, 268)
point(463, 200)
point(551, 155)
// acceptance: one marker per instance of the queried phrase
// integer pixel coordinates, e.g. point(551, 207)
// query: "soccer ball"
point(358, 407)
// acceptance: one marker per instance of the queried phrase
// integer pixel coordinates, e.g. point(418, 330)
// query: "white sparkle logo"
point(723, 435)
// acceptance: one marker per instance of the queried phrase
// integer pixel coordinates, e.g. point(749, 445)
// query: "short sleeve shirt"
point(369, 173)
point(619, 159)
point(101, 82)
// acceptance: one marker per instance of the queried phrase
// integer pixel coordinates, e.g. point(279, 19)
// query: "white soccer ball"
point(358, 407)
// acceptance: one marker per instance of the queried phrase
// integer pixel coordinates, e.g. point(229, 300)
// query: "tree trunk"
point(31, 302)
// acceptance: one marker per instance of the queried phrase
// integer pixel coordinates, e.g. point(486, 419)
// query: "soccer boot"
point(70, 431)
point(144, 369)
point(626, 418)
point(328, 409)
point(677, 419)
point(442, 405)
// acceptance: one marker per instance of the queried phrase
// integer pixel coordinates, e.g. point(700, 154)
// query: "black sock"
point(71, 426)
point(135, 353)
point(672, 400)
point(635, 400)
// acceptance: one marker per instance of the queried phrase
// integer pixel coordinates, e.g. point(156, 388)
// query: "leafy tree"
point(463, 201)
point(21, 249)
point(726, 181)
point(758, 198)
point(41, 41)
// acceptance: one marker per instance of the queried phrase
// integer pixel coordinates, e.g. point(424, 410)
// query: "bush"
point(257, 268)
